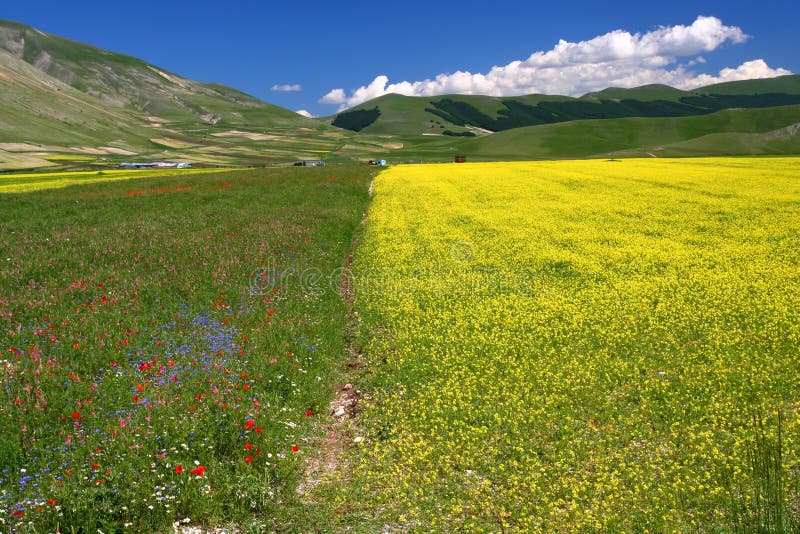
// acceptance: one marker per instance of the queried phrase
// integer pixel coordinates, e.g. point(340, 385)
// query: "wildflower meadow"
point(168, 345)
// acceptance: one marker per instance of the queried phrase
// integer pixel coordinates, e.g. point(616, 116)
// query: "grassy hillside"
point(53, 112)
point(782, 84)
point(432, 115)
point(741, 131)
point(416, 115)
point(62, 98)
point(644, 93)
point(127, 82)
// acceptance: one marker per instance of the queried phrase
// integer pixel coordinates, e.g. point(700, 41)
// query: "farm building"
point(310, 163)
point(137, 165)
point(154, 165)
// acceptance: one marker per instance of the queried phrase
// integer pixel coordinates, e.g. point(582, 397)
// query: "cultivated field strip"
point(581, 346)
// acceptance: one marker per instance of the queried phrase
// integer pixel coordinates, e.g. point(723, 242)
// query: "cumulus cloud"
point(615, 59)
point(748, 70)
point(304, 113)
point(336, 96)
point(288, 88)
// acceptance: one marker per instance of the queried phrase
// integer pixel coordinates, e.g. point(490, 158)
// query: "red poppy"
point(200, 470)
point(309, 413)
point(248, 446)
point(250, 423)
point(179, 469)
point(76, 415)
point(51, 502)
point(248, 459)
point(295, 448)
point(18, 514)
point(258, 430)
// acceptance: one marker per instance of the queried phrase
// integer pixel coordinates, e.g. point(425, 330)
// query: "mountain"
point(466, 115)
point(45, 110)
point(129, 83)
point(63, 97)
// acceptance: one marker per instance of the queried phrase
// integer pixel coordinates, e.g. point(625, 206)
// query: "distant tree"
point(357, 119)
point(458, 134)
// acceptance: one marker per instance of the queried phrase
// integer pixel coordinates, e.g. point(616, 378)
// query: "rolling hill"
point(45, 110)
point(62, 98)
point(728, 132)
point(129, 83)
point(459, 114)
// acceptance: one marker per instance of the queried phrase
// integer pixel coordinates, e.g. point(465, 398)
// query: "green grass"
point(144, 323)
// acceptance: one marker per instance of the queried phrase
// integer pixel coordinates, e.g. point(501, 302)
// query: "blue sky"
point(324, 56)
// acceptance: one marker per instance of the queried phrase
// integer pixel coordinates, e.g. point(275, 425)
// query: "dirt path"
point(341, 429)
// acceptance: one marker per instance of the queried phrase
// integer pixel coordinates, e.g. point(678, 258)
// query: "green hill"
point(402, 115)
point(63, 99)
point(645, 93)
point(130, 83)
point(42, 109)
point(735, 131)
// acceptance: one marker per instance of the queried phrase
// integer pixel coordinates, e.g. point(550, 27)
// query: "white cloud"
point(288, 88)
point(615, 59)
point(748, 70)
point(335, 96)
point(304, 113)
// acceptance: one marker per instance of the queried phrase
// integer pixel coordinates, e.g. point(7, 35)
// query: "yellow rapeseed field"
point(581, 346)
point(37, 181)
